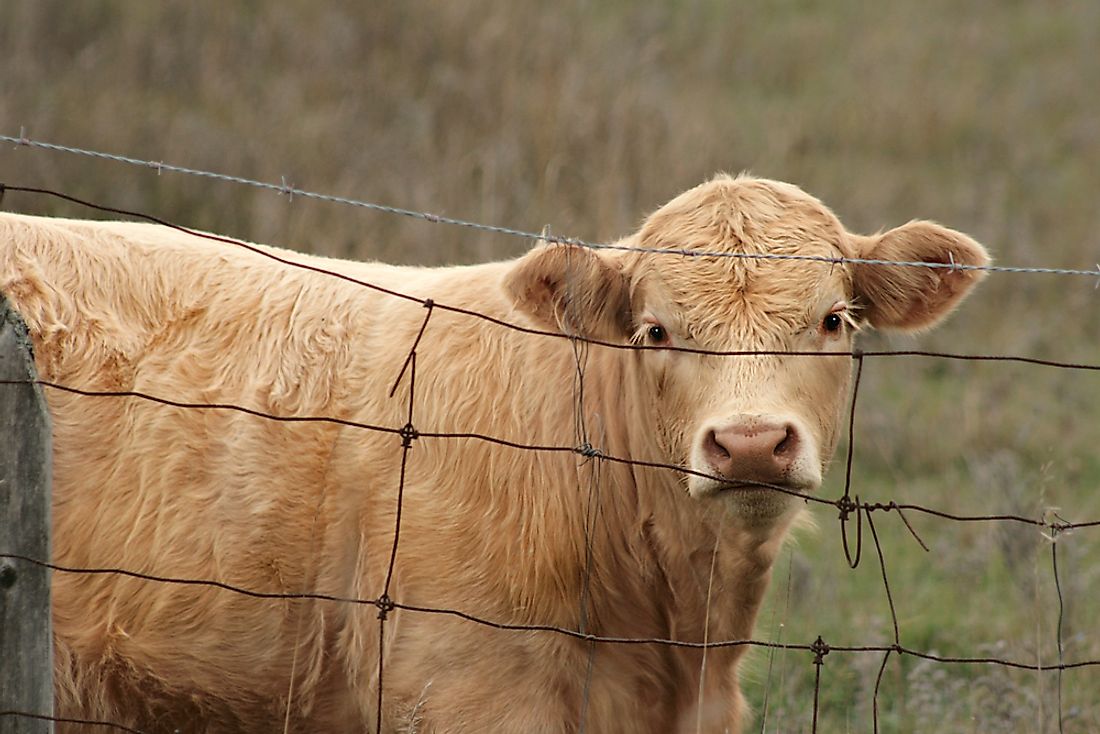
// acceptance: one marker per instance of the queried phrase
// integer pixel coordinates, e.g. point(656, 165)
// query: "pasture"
point(584, 116)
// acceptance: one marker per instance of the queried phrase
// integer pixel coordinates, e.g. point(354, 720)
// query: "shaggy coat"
point(509, 535)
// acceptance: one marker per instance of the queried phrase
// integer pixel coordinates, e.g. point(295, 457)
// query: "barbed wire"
point(586, 450)
point(432, 303)
point(291, 191)
point(849, 503)
point(390, 604)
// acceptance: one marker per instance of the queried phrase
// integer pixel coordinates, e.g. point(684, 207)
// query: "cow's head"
point(758, 419)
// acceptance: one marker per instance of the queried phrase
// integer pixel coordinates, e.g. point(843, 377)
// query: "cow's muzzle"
point(756, 450)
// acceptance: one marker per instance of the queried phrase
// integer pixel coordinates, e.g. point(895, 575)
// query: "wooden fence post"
point(26, 670)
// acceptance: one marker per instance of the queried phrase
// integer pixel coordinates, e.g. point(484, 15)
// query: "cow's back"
point(186, 493)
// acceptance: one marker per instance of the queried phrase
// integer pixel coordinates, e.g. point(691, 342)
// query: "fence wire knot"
point(385, 606)
point(846, 507)
point(820, 649)
point(408, 434)
point(587, 450)
point(1054, 524)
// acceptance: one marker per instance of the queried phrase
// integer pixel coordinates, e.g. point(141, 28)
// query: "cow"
point(688, 471)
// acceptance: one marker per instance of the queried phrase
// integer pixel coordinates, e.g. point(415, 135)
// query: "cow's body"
point(508, 535)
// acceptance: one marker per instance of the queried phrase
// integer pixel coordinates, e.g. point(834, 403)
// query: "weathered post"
point(26, 684)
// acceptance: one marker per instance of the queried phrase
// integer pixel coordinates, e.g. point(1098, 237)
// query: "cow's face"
point(742, 423)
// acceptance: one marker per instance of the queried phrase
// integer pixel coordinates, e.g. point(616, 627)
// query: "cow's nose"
point(751, 450)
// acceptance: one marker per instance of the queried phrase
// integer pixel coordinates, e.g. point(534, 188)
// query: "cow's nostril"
point(752, 449)
point(715, 449)
point(789, 442)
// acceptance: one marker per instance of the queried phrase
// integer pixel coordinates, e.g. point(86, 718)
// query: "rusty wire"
point(846, 504)
point(546, 628)
point(283, 188)
point(584, 450)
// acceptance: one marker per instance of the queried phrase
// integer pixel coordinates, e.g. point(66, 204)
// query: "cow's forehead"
point(742, 218)
point(745, 215)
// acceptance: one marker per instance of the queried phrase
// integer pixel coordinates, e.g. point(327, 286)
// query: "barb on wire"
point(283, 188)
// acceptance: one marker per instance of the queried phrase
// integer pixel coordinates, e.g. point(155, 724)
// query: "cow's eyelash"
point(643, 335)
point(847, 317)
point(850, 314)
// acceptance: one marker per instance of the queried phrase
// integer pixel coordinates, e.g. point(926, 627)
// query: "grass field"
point(586, 115)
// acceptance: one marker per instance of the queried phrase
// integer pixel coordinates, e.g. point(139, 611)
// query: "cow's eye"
point(833, 322)
point(657, 334)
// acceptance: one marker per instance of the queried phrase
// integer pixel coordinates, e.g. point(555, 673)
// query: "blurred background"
point(585, 116)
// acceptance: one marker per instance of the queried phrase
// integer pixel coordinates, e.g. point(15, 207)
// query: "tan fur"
point(495, 532)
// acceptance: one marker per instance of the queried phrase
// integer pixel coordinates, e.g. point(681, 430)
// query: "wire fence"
point(850, 507)
point(291, 191)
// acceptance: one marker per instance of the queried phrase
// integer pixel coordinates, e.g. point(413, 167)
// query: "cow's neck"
point(681, 551)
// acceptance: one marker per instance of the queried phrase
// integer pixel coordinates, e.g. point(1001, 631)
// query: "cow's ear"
point(572, 289)
point(907, 297)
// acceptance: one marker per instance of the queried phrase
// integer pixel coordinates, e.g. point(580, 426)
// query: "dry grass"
point(586, 115)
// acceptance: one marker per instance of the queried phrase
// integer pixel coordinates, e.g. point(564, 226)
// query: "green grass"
point(586, 115)
point(982, 589)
